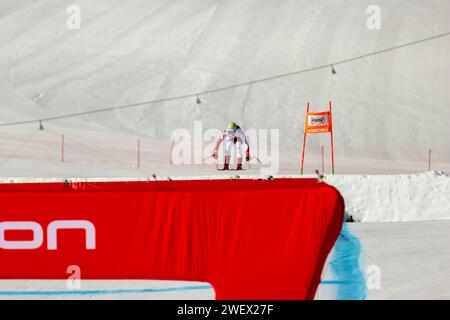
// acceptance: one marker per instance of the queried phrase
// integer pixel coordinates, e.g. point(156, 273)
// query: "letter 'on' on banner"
point(318, 122)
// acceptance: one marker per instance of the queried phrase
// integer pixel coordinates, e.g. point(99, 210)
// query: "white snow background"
point(388, 111)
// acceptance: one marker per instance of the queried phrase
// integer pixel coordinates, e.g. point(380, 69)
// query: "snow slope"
point(412, 260)
point(388, 109)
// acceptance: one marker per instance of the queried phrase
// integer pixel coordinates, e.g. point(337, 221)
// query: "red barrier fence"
point(250, 239)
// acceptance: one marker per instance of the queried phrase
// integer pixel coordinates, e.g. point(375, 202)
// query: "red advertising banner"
point(250, 239)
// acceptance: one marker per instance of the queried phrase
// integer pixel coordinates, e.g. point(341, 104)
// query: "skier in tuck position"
point(232, 135)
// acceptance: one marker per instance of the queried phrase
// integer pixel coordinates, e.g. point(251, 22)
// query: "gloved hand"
point(214, 154)
point(247, 156)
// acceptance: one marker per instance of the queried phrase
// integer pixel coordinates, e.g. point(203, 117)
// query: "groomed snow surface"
point(389, 110)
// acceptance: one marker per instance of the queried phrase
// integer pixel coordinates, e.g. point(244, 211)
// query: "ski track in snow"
point(347, 274)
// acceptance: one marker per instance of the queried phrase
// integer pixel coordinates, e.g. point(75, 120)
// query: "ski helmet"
point(232, 126)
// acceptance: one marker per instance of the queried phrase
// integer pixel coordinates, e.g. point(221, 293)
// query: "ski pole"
point(255, 157)
point(208, 158)
point(217, 163)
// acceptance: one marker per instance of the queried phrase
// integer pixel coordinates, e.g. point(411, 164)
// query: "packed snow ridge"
point(392, 198)
point(368, 198)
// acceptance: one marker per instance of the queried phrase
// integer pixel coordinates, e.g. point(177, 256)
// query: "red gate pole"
point(62, 148)
point(323, 160)
point(139, 153)
point(332, 144)
point(304, 140)
point(429, 160)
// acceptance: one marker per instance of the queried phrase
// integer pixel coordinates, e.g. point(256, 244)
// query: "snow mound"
point(368, 198)
point(391, 198)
